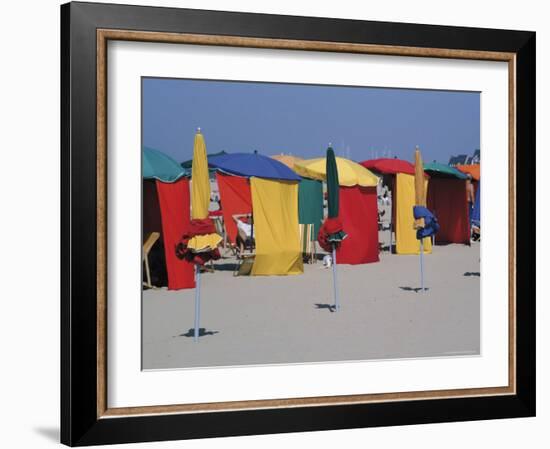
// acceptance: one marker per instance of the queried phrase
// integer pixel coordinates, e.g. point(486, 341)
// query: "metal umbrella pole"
point(197, 301)
point(422, 265)
point(335, 279)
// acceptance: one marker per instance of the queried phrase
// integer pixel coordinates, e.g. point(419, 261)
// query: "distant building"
point(464, 159)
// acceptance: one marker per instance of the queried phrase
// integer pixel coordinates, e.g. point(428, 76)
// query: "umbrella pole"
point(335, 280)
point(422, 265)
point(197, 301)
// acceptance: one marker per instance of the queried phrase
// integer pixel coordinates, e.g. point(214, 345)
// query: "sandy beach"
point(288, 319)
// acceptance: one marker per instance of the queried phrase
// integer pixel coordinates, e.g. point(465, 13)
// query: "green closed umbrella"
point(333, 190)
point(333, 186)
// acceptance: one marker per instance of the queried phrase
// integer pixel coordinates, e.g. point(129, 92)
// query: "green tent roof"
point(435, 168)
point(157, 165)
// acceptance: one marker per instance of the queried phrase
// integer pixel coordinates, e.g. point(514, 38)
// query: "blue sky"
point(360, 122)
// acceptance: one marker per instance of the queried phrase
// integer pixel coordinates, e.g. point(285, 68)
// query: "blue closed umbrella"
point(252, 164)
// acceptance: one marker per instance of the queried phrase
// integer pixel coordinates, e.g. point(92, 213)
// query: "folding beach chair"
point(245, 258)
point(149, 242)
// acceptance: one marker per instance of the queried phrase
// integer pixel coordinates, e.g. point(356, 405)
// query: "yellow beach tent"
point(349, 173)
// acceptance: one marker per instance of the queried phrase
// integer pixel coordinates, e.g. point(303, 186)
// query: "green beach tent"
point(310, 203)
point(157, 165)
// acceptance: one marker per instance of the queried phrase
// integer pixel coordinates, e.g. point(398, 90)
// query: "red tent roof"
point(388, 166)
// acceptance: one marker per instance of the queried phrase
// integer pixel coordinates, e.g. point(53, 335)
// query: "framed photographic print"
point(274, 224)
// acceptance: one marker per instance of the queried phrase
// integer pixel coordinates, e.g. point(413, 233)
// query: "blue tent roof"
point(252, 164)
point(157, 165)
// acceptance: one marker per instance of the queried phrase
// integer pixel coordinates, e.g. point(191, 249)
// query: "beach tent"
point(287, 159)
point(310, 195)
point(235, 199)
point(187, 165)
point(400, 177)
point(473, 170)
point(166, 209)
point(310, 203)
point(476, 213)
point(447, 199)
point(274, 194)
point(388, 166)
point(358, 209)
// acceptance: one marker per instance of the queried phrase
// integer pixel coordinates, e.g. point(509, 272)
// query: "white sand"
point(286, 319)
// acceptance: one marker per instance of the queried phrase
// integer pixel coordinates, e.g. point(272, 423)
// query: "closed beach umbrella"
point(204, 240)
point(349, 173)
point(333, 189)
point(333, 185)
point(419, 184)
point(420, 200)
point(200, 183)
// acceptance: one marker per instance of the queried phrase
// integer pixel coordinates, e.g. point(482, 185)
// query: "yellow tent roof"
point(349, 173)
point(287, 159)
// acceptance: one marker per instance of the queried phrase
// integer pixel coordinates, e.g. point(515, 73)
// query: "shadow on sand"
point(202, 332)
point(225, 266)
point(330, 307)
point(413, 289)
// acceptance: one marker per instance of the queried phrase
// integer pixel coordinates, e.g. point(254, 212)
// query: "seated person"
point(244, 228)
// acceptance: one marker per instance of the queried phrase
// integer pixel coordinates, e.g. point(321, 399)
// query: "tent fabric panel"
point(476, 213)
point(359, 215)
point(235, 199)
point(405, 234)
point(151, 221)
point(276, 230)
point(175, 215)
point(310, 203)
point(448, 201)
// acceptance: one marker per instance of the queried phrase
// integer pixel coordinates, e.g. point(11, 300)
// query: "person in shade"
point(244, 228)
point(470, 193)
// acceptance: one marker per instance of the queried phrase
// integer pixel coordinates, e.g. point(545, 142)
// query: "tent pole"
point(422, 265)
point(197, 301)
point(391, 236)
point(335, 280)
